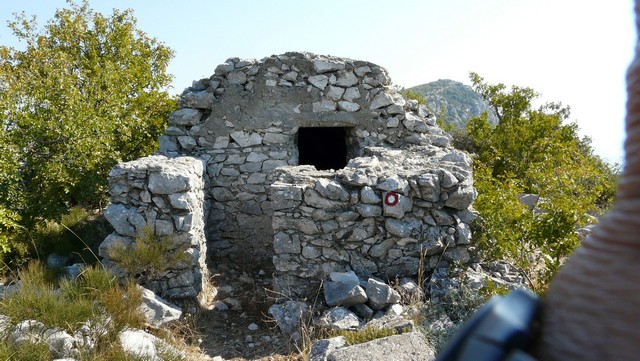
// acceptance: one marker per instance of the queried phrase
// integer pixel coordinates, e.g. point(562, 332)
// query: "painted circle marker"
point(391, 199)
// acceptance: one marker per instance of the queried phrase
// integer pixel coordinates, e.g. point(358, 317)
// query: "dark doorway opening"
point(324, 148)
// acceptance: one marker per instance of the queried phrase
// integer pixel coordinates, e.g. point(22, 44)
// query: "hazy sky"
point(573, 51)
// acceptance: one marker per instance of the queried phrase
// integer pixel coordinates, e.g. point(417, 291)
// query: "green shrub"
point(122, 305)
point(149, 255)
point(25, 352)
point(354, 337)
point(532, 150)
point(37, 299)
point(78, 233)
point(89, 297)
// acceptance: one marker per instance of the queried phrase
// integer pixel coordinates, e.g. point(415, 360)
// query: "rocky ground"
point(236, 325)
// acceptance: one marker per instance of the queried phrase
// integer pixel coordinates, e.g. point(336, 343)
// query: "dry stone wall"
point(166, 194)
point(245, 119)
point(248, 147)
point(386, 214)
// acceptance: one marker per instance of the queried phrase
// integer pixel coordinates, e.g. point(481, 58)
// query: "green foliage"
point(532, 150)
point(78, 233)
point(87, 298)
point(9, 229)
point(122, 305)
point(37, 299)
point(149, 255)
point(30, 351)
point(412, 95)
point(86, 92)
point(94, 296)
point(366, 334)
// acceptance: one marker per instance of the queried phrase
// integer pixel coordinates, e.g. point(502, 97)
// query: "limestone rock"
point(368, 195)
point(349, 278)
point(346, 79)
point(381, 100)
point(396, 205)
point(343, 294)
point(246, 139)
point(322, 348)
point(323, 66)
point(290, 315)
point(363, 311)
point(331, 189)
point(402, 228)
point(319, 81)
point(199, 100)
point(334, 93)
point(62, 345)
point(324, 105)
point(168, 182)
point(348, 106)
point(391, 322)
point(237, 77)
point(529, 200)
point(381, 294)
point(185, 116)
point(339, 318)
point(27, 331)
point(157, 311)
point(145, 345)
point(126, 221)
point(462, 197)
point(405, 347)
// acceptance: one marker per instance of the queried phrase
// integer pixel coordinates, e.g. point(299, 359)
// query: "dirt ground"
point(236, 325)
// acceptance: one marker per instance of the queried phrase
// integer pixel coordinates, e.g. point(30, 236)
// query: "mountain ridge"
point(460, 101)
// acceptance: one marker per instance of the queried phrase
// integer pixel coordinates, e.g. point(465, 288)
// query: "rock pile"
point(388, 214)
point(353, 304)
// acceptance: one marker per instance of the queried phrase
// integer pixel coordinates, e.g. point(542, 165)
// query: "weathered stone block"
point(396, 205)
point(369, 210)
point(324, 66)
point(319, 81)
point(246, 139)
point(381, 100)
point(284, 243)
point(324, 105)
point(185, 116)
point(343, 294)
point(125, 220)
point(402, 228)
point(381, 294)
point(339, 318)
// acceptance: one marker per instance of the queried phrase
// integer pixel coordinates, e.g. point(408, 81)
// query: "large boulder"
point(405, 347)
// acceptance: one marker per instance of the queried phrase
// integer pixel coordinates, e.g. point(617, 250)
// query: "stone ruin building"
point(312, 163)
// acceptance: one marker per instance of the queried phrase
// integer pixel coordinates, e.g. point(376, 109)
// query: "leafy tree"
point(85, 92)
point(532, 150)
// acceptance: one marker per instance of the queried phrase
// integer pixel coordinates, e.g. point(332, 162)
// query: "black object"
point(502, 330)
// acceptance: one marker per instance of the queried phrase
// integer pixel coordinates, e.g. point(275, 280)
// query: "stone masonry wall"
point(243, 122)
point(166, 194)
point(383, 215)
point(228, 179)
